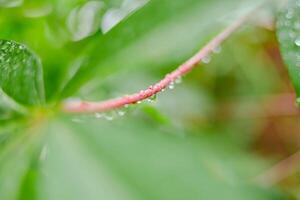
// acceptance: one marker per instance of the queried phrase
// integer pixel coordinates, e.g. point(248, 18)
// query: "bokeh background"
point(227, 123)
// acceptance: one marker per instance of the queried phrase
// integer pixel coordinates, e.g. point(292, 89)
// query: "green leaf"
point(131, 159)
point(18, 149)
point(288, 32)
point(10, 3)
point(21, 76)
point(144, 40)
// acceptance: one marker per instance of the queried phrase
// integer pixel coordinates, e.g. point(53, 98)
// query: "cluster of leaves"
point(45, 154)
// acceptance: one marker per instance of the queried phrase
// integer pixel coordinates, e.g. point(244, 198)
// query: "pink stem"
point(91, 107)
point(280, 171)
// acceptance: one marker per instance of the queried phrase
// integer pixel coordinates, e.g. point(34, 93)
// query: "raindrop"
point(206, 59)
point(121, 112)
point(152, 98)
point(108, 117)
point(171, 86)
point(178, 80)
point(217, 49)
point(98, 115)
point(297, 42)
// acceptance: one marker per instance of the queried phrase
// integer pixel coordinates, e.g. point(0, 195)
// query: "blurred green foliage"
point(288, 35)
point(194, 142)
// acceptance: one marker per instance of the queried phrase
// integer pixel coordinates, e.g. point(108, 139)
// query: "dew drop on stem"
point(121, 113)
point(152, 99)
point(171, 86)
point(206, 59)
point(108, 117)
point(178, 80)
point(98, 115)
point(217, 49)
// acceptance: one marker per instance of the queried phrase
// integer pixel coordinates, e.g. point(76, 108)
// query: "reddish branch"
point(280, 171)
point(90, 107)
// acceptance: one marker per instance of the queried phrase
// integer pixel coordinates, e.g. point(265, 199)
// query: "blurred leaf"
point(10, 3)
point(21, 76)
point(130, 158)
point(288, 32)
point(175, 32)
point(135, 160)
point(17, 150)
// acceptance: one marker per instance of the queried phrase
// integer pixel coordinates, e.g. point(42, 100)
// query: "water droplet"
point(108, 117)
point(206, 59)
point(297, 42)
point(217, 49)
point(139, 102)
point(171, 86)
point(121, 112)
point(98, 115)
point(152, 99)
point(178, 80)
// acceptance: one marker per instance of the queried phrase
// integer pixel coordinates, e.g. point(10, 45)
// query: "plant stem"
point(91, 107)
point(280, 171)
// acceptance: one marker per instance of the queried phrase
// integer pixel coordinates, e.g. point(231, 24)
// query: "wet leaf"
point(21, 76)
point(288, 33)
point(138, 161)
